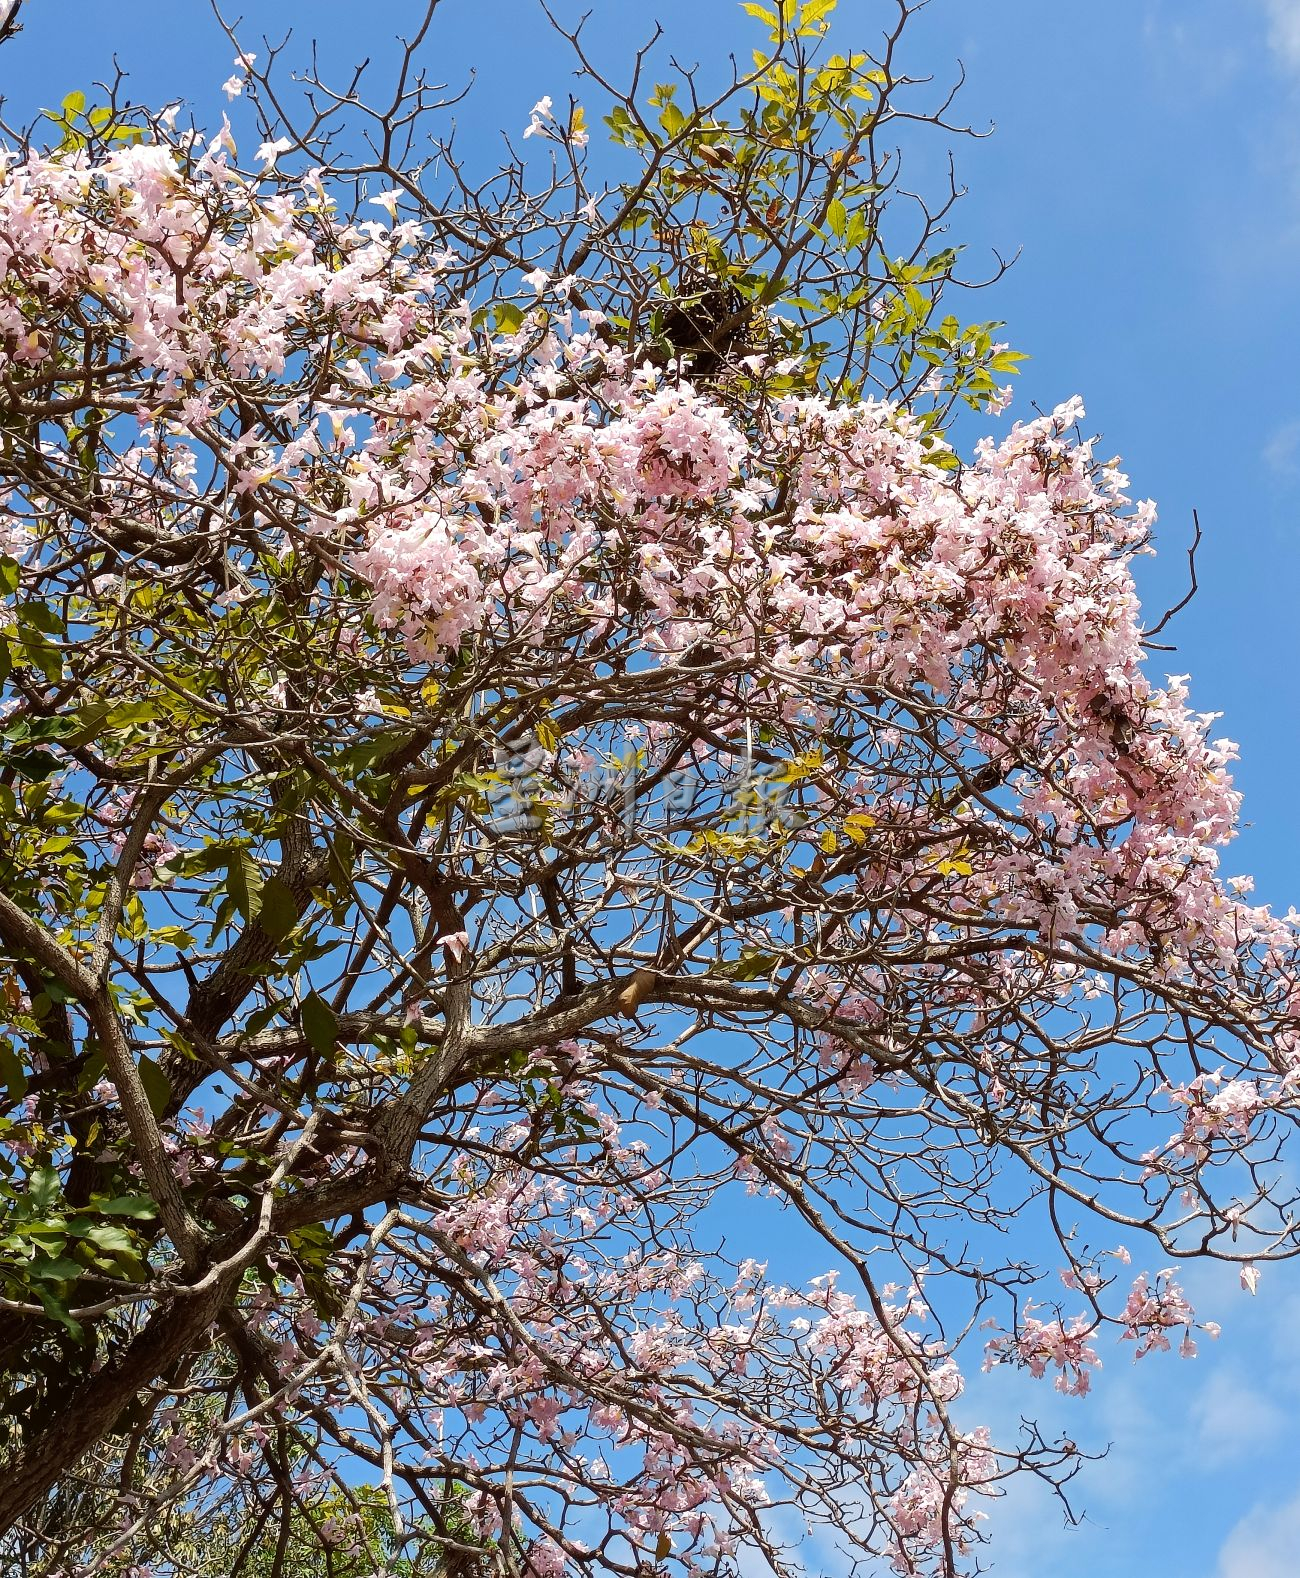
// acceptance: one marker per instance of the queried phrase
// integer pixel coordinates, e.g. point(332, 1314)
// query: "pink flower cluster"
point(561, 511)
point(1215, 1109)
point(1041, 1346)
point(1156, 1307)
point(815, 546)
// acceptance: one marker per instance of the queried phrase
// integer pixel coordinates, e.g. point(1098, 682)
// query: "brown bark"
point(94, 1407)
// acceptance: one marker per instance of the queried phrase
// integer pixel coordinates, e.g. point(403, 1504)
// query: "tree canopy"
point(535, 771)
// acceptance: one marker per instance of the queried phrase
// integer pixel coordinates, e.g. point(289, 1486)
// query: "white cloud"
point(1233, 1419)
point(1264, 1543)
point(1284, 30)
point(1282, 452)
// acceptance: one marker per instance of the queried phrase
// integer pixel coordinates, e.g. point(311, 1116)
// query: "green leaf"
point(13, 1076)
point(157, 1087)
point(57, 1311)
point(244, 883)
point(40, 616)
point(73, 104)
point(9, 574)
point(59, 1269)
point(51, 1235)
point(278, 914)
point(672, 120)
point(113, 1240)
point(139, 1206)
point(508, 318)
point(43, 1189)
point(42, 656)
point(319, 1024)
point(814, 11)
point(754, 966)
point(258, 1021)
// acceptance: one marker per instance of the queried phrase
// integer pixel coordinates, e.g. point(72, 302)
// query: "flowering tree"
point(534, 775)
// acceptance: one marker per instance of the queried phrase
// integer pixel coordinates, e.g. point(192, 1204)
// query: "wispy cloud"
point(1284, 30)
point(1233, 1419)
point(1282, 452)
point(1263, 1545)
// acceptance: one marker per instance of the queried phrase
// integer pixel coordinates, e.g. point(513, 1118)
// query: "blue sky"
point(1146, 163)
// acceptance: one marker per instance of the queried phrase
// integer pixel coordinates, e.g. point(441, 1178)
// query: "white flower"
point(269, 152)
point(233, 86)
point(540, 113)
